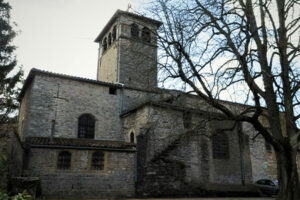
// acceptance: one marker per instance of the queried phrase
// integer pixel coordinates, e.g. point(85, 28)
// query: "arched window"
point(220, 146)
point(114, 33)
point(132, 137)
point(104, 45)
point(64, 160)
point(109, 39)
point(98, 160)
point(134, 31)
point(146, 36)
point(86, 126)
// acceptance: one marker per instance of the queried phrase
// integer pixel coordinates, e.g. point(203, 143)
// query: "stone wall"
point(108, 61)
point(24, 112)
point(231, 170)
point(138, 64)
point(165, 142)
point(160, 125)
point(132, 98)
point(135, 123)
point(65, 100)
point(263, 161)
point(107, 66)
point(138, 58)
point(259, 155)
point(164, 127)
point(130, 61)
point(117, 178)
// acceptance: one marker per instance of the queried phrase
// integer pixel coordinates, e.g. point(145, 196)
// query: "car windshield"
point(270, 183)
point(266, 182)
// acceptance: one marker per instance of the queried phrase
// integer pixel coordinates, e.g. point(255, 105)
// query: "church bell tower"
point(128, 51)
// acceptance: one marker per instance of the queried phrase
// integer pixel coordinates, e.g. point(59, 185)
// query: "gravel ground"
point(211, 198)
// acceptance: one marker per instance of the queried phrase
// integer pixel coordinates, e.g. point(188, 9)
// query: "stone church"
point(121, 135)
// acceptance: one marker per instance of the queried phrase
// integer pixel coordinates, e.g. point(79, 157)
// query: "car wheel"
point(260, 193)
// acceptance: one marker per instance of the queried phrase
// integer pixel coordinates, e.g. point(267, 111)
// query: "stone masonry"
point(152, 140)
point(165, 140)
point(117, 178)
point(125, 54)
point(64, 100)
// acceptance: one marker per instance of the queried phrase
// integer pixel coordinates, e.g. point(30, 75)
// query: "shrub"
point(21, 196)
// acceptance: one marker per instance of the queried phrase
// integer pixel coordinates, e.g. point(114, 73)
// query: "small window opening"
point(114, 33)
point(64, 160)
point(132, 137)
point(146, 35)
point(170, 100)
point(112, 91)
point(104, 45)
point(187, 119)
point(98, 160)
point(268, 146)
point(109, 39)
point(134, 31)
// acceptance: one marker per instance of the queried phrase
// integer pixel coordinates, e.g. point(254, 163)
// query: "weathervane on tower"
point(129, 7)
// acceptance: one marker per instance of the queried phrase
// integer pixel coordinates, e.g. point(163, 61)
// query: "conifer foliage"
point(10, 74)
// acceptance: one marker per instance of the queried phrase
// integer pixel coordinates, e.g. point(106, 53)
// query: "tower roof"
point(117, 14)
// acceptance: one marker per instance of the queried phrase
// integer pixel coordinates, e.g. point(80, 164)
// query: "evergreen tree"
point(9, 75)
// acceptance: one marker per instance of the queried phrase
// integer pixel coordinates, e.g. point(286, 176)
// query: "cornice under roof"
point(119, 13)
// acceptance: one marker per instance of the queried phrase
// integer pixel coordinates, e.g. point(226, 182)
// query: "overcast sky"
point(58, 35)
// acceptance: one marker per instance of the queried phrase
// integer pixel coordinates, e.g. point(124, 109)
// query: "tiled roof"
point(35, 71)
point(46, 142)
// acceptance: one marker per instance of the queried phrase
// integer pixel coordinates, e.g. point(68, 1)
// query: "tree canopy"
point(246, 51)
point(10, 74)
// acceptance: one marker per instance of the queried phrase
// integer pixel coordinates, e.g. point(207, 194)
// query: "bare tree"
point(219, 45)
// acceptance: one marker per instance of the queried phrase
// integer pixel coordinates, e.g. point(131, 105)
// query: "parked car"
point(267, 186)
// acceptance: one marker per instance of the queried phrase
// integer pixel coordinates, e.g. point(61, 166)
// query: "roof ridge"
point(35, 70)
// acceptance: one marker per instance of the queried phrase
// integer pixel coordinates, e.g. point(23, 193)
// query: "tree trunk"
point(287, 174)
